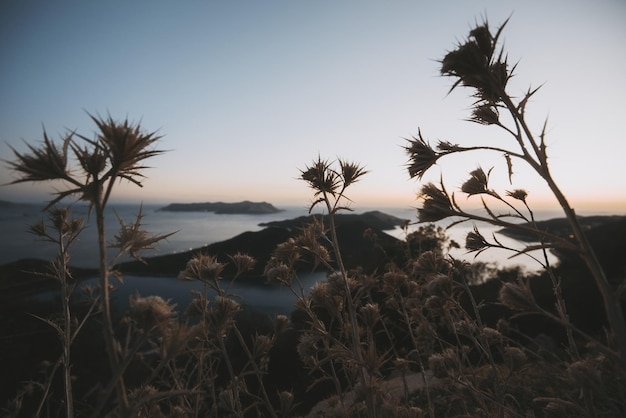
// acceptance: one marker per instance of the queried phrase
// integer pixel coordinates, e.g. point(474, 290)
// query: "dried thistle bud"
point(281, 323)
point(350, 172)
point(46, 163)
point(421, 156)
point(475, 241)
point(321, 177)
point(442, 364)
point(278, 273)
point(477, 183)
point(436, 206)
point(221, 315)
point(197, 307)
point(262, 344)
point(439, 285)
point(39, 229)
point(242, 262)
point(465, 327)
point(518, 194)
point(514, 357)
point(150, 310)
point(370, 314)
point(517, 296)
point(202, 267)
point(286, 403)
point(485, 114)
point(584, 373)
point(490, 335)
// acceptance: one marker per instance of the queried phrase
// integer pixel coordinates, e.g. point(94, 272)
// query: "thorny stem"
point(356, 341)
point(107, 323)
point(612, 305)
point(67, 327)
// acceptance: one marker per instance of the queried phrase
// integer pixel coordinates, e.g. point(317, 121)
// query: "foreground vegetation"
point(415, 334)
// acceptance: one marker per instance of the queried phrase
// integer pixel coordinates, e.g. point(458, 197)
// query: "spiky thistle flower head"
point(321, 178)
point(126, 146)
point(519, 194)
point(351, 172)
point(517, 296)
point(221, 315)
point(477, 183)
point(242, 262)
point(474, 63)
point(131, 238)
point(150, 311)
point(48, 162)
point(475, 241)
point(202, 267)
point(421, 156)
point(436, 205)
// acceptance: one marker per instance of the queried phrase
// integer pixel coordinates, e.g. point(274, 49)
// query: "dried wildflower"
point(490, 335)
point(477, 183)
point(93, 161)
point(286, 403)
point(350, 172)
point(46, 163)
point(370, 315)
point(278, 273)
point(202, 267)
point(320, 292)
point(126, 146)
point(287, 252)
point(514, 357)
point(443, 363)
point(430, 263)
point(465, 327)
point(518, 194)
point(475, 65)
point(439, 285)
point(242, 262)
point(262, 345)
point(503, 326)
point(221, 315)
point(584, 373)
point(437, 204)
point(132, 239)
point(150, 311)
point(309, 240)
point(517, 296)
point(321, 177)
point(281, 323)
point(485, 114)
point(475, 241)
point(421, 156)
point(307, 348)
point(198, 305)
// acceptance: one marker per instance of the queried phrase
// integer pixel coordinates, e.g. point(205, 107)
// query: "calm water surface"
point(197, 229)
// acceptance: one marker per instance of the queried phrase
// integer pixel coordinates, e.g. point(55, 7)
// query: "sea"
point(193, 230)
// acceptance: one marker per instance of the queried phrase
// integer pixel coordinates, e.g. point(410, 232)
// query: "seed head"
point(150, 310)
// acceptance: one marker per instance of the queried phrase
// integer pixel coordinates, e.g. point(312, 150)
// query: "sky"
point(248, 93)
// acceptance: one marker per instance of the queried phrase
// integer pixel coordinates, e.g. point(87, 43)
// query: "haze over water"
point(197, 229)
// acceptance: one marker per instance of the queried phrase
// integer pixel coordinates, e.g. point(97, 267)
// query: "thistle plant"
point(117, 153)
point(329, 185)
point(479, 64)
point(63, 231)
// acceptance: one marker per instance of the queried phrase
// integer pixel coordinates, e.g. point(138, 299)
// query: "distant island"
point(245, 207)
point(375, 219)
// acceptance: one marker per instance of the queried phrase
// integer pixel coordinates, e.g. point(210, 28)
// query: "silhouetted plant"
point(479, 64)
point(116, 153)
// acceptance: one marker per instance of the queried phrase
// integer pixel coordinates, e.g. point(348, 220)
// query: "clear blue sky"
point(246, 93)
